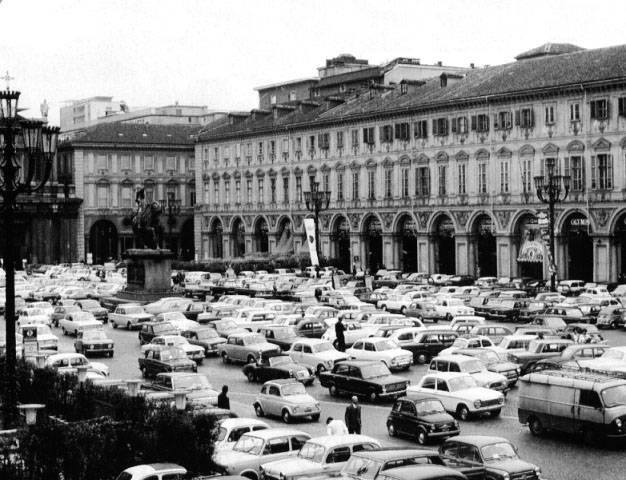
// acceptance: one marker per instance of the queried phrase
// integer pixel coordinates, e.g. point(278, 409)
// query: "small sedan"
point(204, 337)
point(425, 419)
point(69, 363)
point(382, 349)
point(194, 352)
point(61, 311)
point(286, 399)
point(270, 367)
point(74, 322)
point(231, 430)
point(93, 342)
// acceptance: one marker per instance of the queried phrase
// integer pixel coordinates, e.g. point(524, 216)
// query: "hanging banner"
point(309, 228)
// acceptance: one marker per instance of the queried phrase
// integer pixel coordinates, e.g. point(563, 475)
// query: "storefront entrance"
point(530, 247)
point(373, 244)
point(578, 248)
point(485, 247)
point(445, 258)
point(238, 237)
point(408, 244)
point(341, 244)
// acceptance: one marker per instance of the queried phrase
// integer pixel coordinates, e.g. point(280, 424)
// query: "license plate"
point(308, 409)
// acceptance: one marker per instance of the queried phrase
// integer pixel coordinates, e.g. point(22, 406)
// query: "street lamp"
point(317, 201)
point(552, 189)
point(27, 150)
point(171, 207)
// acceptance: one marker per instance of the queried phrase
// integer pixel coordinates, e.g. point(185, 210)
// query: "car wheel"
point(114, 325)
point(333, 391)
point(448, 317)
point(286, 416)
point(373, 396)
point(316, 417)
point(535, 426)
point(225, 358)
point(422, 437)
point(614, 325)
point(462, 412)
point(320, 368)
point(421, 359)
point(403, 310)
point(63, 330)
point(251, 359)
point(258, 410)
point(251, 376)
point(391, 430)
point(496, 413)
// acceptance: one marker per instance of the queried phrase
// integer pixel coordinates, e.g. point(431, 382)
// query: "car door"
point(406, 417)
point(341, 377)
point(588, 411)
point(336, 458)
point(443, 393)
point(272, 401)
point(355, 382)
point(369, 351)
point(276, 449)
point(238, 349)
point(308, 357)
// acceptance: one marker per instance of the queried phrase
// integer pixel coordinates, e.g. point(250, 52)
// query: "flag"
point(309, 227)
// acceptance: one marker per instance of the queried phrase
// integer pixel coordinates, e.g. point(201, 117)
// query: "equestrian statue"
point(146, 226)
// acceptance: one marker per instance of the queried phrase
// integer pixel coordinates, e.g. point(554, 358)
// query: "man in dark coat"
point(341, 339)
point(353, 416)
point(222, 399)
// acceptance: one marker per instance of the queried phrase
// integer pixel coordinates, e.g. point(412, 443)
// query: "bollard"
point(133, 387)
point(30, 411)
point(180, 399)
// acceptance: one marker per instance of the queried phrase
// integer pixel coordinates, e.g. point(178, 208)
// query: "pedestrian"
point(222, 399)
point(341, 339)
point(354, 271)
point(335, 427)
point(353, 416)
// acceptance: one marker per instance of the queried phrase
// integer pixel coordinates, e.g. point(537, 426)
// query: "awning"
point(531, 251)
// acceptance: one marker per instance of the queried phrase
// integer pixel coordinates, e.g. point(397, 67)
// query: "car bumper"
point(97, 351)
point(444, 434)
point(400, 365)
point(397, 393)
point(305, 413)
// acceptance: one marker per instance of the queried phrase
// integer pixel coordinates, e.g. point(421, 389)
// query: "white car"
point(178, 320)
point(69, 363)
point(168, 304)
point(513, 344)
point(46, 340)
point(32, 316)
point(74, 322)
point(316, 353)
point(194, 352)
point(473, 342)
point(45, 307)
point(459, 393)
point(253, 319)
point(471, 365)
point(353, 332)
point(231, 429)
point(129, 316)
point(382, 349)
point(613, 360)
point(448, 308)
point(286, 398)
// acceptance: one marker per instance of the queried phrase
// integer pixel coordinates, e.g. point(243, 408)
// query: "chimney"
point(439, 63)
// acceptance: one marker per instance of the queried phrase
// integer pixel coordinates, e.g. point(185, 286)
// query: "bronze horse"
point(146, 226)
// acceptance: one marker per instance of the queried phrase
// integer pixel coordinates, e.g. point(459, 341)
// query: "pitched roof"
point(361, 74)
point(139, 133)
point(549, 49)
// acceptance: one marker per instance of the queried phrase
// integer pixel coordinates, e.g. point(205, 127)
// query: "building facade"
point(111, 163)
point(433, 175)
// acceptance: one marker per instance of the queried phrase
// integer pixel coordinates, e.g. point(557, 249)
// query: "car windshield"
point(461, 383)
point(295, 388)
point(287, 332)
point(374, 370)
point(94, 335)
point(206, 334)
point(361, 468)
point(31, 312)
point(249, 444)
point(428, 407)
point(163, 327)
point(253, 340)
point(472, 366)
point(281, 360)
point(613, 355)
point(322, 347)
point(459, 342)
point(383, 345)
point(498, 451)
point(175, 341)
point(133, 310)
point(312, 451)
point(535, 306)
point(191, 382)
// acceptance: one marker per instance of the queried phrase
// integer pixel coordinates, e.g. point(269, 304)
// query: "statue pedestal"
point(148, 275)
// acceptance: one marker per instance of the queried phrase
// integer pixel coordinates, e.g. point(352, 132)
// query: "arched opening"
point(445, 257)
point(407, 233)
point(103, 241)
point(373, 244)
point(484, 247)
point(260, 236)
point(340, 237)
point(238, 237)
point(284, 238)
point(530, 247)
point(619, 234)
point(217, 250)
point(578, 247)
point(187, 247)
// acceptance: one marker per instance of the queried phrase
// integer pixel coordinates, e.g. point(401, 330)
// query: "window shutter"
point(609, 173)
point(397, 128)
point(592, 106)
point(454, 120)
point(495, 121)
point(435, 127)
point(445, 126)
point(608, 109)
point(532, 118)
point(427, 181)
point(593, 172)
point(517, 118)
point(583, 167)
point(424, 128)
point(473, 123)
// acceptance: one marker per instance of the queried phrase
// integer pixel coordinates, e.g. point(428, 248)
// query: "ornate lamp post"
point(317, 201)
point(552, 189)
point(171, 207)
point(27, 150)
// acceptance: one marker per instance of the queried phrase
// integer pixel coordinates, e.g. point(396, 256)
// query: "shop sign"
point(579, 222)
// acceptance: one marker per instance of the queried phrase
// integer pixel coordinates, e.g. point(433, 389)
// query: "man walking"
point(222, 399)
point(335, 427)
point(341, 339)
point(353, 416)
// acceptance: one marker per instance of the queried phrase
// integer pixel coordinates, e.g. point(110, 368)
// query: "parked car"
point(611, 317)
point(168, 304)
point(69, 363)
point(75, 322)
point(459, 393)
point(165, 359)
point(422, 310)
point(495, 332)
point(552, 323)
point(369, 379)
point(472, 366)
point(46, 340)
point(568, 314)
point(468, 342)
point(92, 306)
point(129, 316)
point(507, 310)
point(612, 360)
point(231, 429)
point(204, 337)
point(324, 455)
point(256, 448)
point(538, 349)
point(199, 391)
point(448, 308)
point(154, 471)
point(316, 353)
point(94, 342)
point(282, 336)
point(32, 316)
point(494, 363)
point(246, 347)
point(310, 328)
point(61, 311)
point(383, 350)
point(423, 343)
point(273, 366)
point(497, 454)
point(424, 419)
point(570, 287)
point(194, 352)
point(287, 399)
point(194, 309)
point(149, 330)
point(354, 330)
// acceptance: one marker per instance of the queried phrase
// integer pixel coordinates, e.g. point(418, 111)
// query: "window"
point(621, 106)
point(238, 191)
point(590, 398)
point(442, 179)
point(261, 192)
point(339, 454)
point(599, 109)
point(482, 177)
point(339, 185)
point(355, 185)
point(440, 127)
point(325, 182)
point(354, 138)
point(249, 190)
point(459, 125)
point(285, 149)
point(192, 196)
point(170, 163)
point(227, 191)
point(273, 100)
point(103, 195)
point(102, 163)
point(324, 141)
point(298, 188)
point(368, 136)
point(339, 140)
point(574, 112)
point(420, 129)
point(549, 115)
point(276, 445)
point(388, 178)
point(286, 189)
point(502, 121)
point(574, 167)
point(125, 162)
point(480, 123)
point(461, 169)
point(422, 182)
point(526, 118)
point(429, 382)
point(527, 175)
point(504, 176)
point(371, 184)
point(405, 182)
point(401, 131)
point(311, 144)
point(298, 144)
point(126, 196)
point(272, 190)
point(292, 96)
point(272, 150)
point(602, 172)
point(149, 191)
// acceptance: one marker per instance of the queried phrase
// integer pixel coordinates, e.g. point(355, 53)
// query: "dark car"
point(424, 419)
point(538, 350)
point(426, 344)
point(569, 314)
point(149, 330)
point(204, 337)
point(160, 360)
point(61, 312)
point(422, 310)
point(460, 280)
point(272, 366)
point(498, 455)
point(310, 328)
point(369, 379)
point(93, 342)
point(531, 310)
point(506, 311)
point(94, 307)
point(194, 309)
point(280, 335)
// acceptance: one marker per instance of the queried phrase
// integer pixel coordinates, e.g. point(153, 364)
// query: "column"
point(389, 259)
point(601, 272)
point(504, 255)
point(423, 253)
point(463, 245)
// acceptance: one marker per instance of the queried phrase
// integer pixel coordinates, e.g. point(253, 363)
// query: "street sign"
point(29, 334)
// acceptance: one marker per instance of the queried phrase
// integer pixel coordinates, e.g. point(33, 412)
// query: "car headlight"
point(618, 423)
point(505, 476)
point(384, 389)
point(295, 409)
point(501, 399)
point(477, 404)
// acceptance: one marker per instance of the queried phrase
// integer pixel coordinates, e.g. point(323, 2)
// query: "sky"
point(213, 53)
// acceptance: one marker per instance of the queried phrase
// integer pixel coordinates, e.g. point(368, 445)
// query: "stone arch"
point(443, 231)
point(260, 231)
point(388, 162)
point(601, 144)
point(366, 219)
point(576, 227)
point(461, 156)
point(434, 220)
point(469, 226)
point(504, 152)
point(103, 241)
point(372, 228)
point(405, 233)
point(423, 158)
point(405, 160)
point(397, 221)
point(441, 156)
point(370, 163)
point(560, 223)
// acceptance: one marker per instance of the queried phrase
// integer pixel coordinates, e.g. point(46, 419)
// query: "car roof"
point(387, 454)
point(178, 374)
point(281, 381)
point(447, 375)
point(423, 472)
point(454, 357)
point(276, 432)
point(348, 439)
point(241, 422)
point(311, 341)
point(151, 468)
point(478, 440)
point(359, 363)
